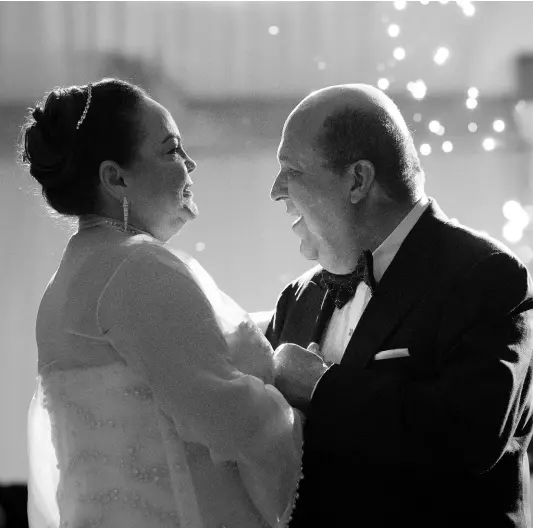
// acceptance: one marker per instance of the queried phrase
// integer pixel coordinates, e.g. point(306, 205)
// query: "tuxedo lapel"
point(406, 280)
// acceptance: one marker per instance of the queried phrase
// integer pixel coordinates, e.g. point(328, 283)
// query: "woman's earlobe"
point(111, 178)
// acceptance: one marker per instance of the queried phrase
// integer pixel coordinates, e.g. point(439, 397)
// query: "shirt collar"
point(386, 252)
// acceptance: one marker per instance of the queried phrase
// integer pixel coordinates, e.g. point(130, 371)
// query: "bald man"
point(418, 393)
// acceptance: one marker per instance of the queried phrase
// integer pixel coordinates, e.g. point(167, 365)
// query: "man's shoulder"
point(308, 279)
point(472, 244)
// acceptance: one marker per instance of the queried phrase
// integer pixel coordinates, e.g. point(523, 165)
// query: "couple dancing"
point(403, 362)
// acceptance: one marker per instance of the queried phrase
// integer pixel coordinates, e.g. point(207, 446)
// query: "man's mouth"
point(187, 192)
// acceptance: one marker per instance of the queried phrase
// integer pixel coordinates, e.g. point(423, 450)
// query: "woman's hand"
point(251, 352)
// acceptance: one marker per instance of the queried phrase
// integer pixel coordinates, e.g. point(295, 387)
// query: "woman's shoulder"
point(145, 259)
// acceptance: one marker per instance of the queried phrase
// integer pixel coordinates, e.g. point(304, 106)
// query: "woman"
point(153, 405)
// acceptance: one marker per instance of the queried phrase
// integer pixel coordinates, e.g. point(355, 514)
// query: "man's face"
point(315, 196)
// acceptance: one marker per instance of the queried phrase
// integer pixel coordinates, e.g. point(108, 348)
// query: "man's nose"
point(279, 188)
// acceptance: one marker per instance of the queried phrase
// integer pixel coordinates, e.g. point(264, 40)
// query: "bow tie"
point(343, 287)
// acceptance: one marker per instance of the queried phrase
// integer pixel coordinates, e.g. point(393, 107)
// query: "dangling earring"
point(125, 210)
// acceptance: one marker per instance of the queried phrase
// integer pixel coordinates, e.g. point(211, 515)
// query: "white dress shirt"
point(344, 320)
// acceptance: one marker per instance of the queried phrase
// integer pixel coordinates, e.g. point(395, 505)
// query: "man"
point(418, 402)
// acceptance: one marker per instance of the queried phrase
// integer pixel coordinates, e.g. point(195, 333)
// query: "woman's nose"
point(190, 164)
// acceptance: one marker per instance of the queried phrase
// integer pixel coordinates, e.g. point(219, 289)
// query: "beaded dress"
point(153, 435)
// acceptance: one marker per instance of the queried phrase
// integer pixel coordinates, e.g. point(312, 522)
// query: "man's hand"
point(297, 372)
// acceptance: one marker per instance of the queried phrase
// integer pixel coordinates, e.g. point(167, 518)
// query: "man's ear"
point(363, 174)
point(112, 180)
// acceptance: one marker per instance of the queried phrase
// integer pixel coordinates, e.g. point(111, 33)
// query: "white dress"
point(156, 409)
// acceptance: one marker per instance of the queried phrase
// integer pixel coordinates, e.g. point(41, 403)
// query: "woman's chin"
point(191, 209)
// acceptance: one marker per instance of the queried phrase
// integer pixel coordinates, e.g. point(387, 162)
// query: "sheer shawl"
point(255, 463)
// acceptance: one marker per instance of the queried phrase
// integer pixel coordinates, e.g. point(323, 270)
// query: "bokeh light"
point(417, 88)
point(471, 103)
point(399, 54)
point(417, 117)
point(425, 149)
point(512, 210)
point(400, 4)
point(517, 220)
point(393, 30)
point(273, 30)
point(472, 127)
point(383, 83)
point(498, 125)
point(489, 144)
point(447, 146)
point(441, 56)
point(434, 126)
point(321, 65)
point(512, 232)
point(473, 92)
point(468, 9)
point(200, 246)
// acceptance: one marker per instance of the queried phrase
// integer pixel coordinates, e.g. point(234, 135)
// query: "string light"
point(400, 4)
point(473, 92)
point(498, 125)
point(399, 53)
point(425, 149)
point(273, 30)
point(472, 127)
point(468, 9)
point(471, 103)
point(417, 88)
point(512, 210)
point(512, 232)
point(434, 126)
point(441, 56)
point(518, 219)
point(393, 30)
point(447, 146)
point(383, 83)
point(489, 144)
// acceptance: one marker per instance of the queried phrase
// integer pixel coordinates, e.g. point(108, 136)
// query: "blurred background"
point(230, 72)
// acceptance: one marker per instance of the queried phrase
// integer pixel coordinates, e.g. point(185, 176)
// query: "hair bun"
point(38, 114)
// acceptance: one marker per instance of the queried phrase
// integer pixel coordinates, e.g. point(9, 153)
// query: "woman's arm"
point(158, 319)
point(262, 319)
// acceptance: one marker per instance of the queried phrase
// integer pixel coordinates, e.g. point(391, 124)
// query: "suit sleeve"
point(466, 413)
point(157, 318)
point(274, 329)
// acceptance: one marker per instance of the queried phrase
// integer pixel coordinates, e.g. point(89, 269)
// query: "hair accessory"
point(125, 210)
point(87, 104)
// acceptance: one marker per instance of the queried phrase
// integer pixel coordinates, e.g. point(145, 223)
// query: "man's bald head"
point(351, 122)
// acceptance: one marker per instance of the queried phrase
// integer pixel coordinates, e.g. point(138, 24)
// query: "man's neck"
point(378, 229)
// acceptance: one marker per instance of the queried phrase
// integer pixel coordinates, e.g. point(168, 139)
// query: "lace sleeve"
point(159, 319)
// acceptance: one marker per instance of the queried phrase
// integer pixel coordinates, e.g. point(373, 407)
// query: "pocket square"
point(393, 353)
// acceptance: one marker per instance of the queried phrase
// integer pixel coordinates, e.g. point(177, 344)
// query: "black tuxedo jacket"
point(439, 438)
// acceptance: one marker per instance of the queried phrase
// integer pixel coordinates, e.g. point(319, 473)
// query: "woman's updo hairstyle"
point(66, 160)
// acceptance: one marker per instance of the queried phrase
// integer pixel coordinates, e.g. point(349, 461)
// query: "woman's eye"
point(177, 150)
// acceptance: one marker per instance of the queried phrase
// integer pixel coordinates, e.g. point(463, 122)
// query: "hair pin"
point(87, 104)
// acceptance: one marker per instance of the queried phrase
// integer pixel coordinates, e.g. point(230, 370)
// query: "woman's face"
point(158, 182)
